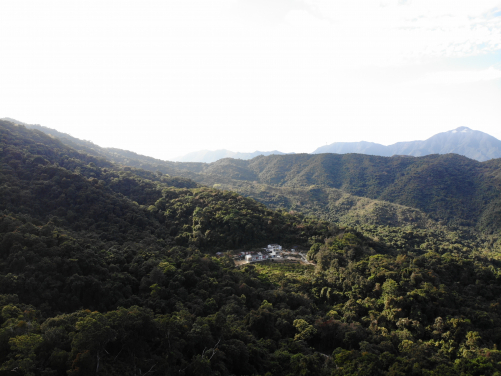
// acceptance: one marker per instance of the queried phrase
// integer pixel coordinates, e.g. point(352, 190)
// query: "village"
point(273, 252)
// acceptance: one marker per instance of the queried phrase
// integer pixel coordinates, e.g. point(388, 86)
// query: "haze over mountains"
point(209, 156)
point(449, 188)
point(462, 140)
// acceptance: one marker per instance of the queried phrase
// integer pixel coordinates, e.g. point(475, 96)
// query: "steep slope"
point(195, 159)
point(333, 205)
point(49, 181)
point(447, 187)
point(463, 141)
point(123, 157)
point(146, 295)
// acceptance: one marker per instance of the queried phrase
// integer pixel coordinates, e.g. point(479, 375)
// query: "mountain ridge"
point(450, 188)
point(445, 186)
point(208, 156)
point(108, 269)
point(462, 140)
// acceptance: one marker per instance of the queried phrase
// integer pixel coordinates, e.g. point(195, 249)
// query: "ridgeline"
point(112, 269)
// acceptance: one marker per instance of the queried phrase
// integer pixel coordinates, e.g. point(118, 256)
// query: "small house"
point(256, 257)
point(274, 247)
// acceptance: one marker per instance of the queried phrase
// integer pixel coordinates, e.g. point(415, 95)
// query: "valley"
point(116, 263)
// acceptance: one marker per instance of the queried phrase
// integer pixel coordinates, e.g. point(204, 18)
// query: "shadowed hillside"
point(450, 188)
point(111, 269)
point(447, 187)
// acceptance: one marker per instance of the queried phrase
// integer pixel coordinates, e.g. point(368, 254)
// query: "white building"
point(274, 247)
point(256, 257)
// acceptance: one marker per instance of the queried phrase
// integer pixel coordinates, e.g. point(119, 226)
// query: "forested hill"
point(111, 270)
point(49, 181)
point(120, 156)
point(451, 188)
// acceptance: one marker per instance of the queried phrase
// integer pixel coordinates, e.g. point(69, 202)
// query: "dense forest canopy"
point(447, 187)
point(450, 188)
point(112, 269)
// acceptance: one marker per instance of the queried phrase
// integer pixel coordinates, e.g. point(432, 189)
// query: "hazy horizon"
point(167, 79)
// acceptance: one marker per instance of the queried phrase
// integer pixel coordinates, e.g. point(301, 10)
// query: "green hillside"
point(332, 204)
point(120, 156)
point(108, 269)
point(381, 220)
point(449, 196)
point(449, 188)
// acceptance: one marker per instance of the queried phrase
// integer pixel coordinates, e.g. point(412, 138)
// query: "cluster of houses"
point(271, 252)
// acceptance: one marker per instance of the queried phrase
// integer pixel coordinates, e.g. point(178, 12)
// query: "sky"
point(165, 78)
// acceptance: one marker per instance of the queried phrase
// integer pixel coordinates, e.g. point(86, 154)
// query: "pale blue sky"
point(167, 78)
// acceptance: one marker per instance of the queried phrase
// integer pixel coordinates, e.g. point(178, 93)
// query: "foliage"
point(446, 188)
point(112, 270)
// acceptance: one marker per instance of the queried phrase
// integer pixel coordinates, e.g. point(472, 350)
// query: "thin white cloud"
point(396, 32)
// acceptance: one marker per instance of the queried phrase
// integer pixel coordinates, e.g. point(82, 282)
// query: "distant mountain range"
point(209, 156)
point(450, 188)
point(463, 141)
point(135, 269)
